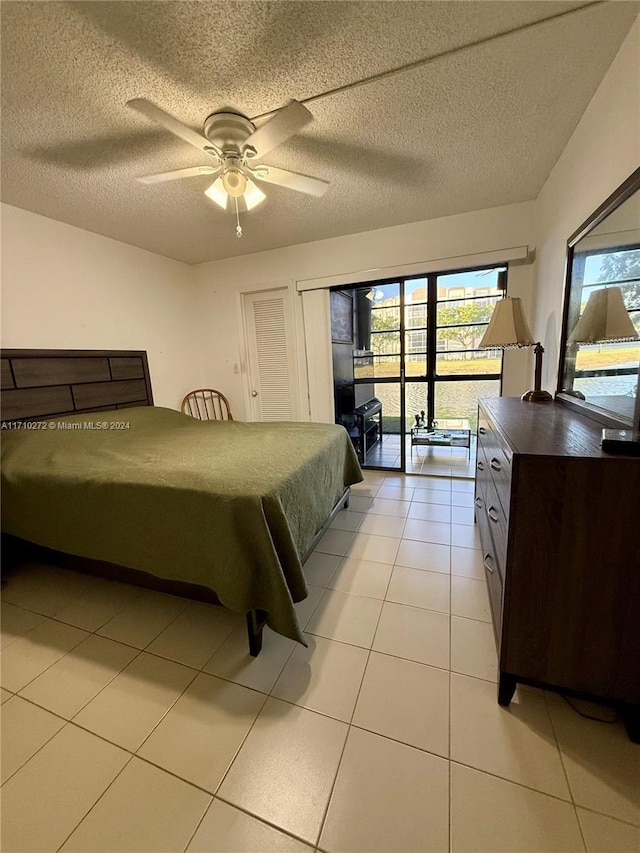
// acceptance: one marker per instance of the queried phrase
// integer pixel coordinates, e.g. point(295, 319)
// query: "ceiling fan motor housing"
point(228, 132)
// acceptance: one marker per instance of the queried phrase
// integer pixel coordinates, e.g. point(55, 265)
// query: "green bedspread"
point(231, 506)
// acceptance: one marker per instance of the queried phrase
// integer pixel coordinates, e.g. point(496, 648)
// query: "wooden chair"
point(206, 404)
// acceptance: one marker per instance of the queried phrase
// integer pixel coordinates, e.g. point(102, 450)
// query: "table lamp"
point(508, 328)
point(605, 319)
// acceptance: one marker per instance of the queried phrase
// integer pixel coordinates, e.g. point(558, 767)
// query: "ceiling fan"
point(233, 141)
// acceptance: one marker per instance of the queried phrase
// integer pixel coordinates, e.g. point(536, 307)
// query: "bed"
point(226, 506)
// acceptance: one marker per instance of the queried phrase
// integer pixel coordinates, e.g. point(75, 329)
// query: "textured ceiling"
point(480, 124)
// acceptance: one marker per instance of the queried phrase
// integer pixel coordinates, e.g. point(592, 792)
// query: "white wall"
point(66, 288)
point(602, 152)
point(384, 251)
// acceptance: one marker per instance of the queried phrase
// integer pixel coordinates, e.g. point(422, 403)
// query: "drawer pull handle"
point(485, 562)
point(495, 464)
point(482, 431)
point(478, 501)
point(493, 515)
point(480, 466)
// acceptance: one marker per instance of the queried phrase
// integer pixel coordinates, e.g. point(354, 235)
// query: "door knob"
point(254, 393)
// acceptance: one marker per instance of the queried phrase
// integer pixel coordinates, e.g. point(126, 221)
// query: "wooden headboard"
point(47, 383)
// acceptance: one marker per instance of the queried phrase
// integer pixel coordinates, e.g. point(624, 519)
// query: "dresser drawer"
point(495, 458)
point(483, 473)
point(498, 527)
point(500, 468)
point(491, 570)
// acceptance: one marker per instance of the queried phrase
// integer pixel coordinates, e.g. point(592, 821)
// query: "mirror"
point(600, 346)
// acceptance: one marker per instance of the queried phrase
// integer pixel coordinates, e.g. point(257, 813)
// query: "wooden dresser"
point(559, 523)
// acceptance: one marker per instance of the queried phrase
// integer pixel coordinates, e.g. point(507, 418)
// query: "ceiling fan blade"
point(285, 123)
point(290, 180)
point(191, 172)
point(151, 111)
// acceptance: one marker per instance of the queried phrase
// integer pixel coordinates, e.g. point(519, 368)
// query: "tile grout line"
point(267, 696)
point(564, 769)
point(198, 825)
point(266, 822)
point(350, 723)
point(56, 616)
point(91, 808)
point(621, 820)
point(94, 632)
point(42, 746)
point(53, 663)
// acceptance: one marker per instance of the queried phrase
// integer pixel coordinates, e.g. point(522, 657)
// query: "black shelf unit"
point(366, 427)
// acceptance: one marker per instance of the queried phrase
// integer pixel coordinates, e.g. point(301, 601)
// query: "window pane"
point(462, 312)
point(385, 294)
point(612, 267)
point(465, 284)
point(386, 453)
point(385, 318)
point(474, 361)
point(415, 291)
point(416, 394)
point(603, 386)
point(608, 356)
point(372, 366)
point(460, 399)
point(452, 338)
point(383, 343)
point(415, 316)
point(415, 364)
point(363, 367)
point(415, 340)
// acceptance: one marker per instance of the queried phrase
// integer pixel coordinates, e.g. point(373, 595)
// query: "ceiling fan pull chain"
point(238, 226)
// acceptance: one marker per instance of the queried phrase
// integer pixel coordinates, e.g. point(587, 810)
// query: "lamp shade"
point(508, 326)
point(605, 318)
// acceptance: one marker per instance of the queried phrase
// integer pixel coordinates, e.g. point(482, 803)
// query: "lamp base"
point(536, 397)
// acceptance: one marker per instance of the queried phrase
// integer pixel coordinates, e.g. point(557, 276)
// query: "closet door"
point(271, 356)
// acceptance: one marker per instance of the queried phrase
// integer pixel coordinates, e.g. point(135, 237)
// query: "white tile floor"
point(133, 721)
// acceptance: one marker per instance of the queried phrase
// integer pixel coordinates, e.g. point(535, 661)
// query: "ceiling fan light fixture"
point(252, 195)
point(234, 178)
point(217, 193)
point(232, 139)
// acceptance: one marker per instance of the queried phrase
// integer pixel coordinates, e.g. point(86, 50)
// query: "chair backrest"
point(207, 404)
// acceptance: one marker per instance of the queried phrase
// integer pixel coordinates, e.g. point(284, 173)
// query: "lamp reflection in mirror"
point(508, 327)
point(605, 319)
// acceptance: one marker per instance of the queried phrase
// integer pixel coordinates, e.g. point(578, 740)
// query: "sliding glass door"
point(412, 365)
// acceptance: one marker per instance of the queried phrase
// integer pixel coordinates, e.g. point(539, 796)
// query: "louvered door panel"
point(270, 355)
